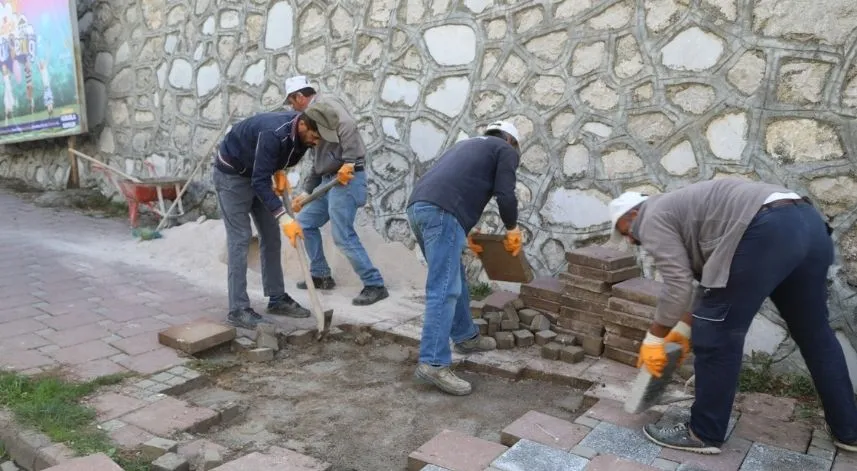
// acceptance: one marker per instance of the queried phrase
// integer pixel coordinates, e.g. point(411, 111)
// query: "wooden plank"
point(501, 265)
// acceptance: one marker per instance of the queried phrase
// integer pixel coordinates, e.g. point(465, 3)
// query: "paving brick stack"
point(630, 311)
point(592, 271)
point(504, 316)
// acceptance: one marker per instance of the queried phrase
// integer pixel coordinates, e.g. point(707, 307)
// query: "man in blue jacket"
point(248, 174)
point(445, 205)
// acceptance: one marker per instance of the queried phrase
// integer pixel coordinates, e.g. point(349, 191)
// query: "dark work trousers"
point(785, 254)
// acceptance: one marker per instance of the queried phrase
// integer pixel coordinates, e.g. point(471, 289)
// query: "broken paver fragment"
point(301, 337)
point(547, 288)
point(170, 462)
point(157, 447)
point(196, 336)
point(455, 450)
point(509, 325)
point(482, 324)
point(545, 336)
point(259, 354)
point(208, 459)
point(572, 354)
point(266, 337)
point(592, 345)
point(242, 344)
point(523, 338)
point(98, 461)
point(510, 313)
point(540, 323)
point(526, 315)
point(505, 340)
point(476, 309)
point(551, 351)
point(275, 458)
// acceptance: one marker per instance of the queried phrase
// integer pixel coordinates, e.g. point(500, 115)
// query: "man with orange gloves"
point(340, 155)
point(445, 205)
point(743, 241)
point(251, 155)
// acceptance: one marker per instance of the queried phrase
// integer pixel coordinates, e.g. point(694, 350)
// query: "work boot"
point(443, 378)
point(679, 437)
point(370, 295)
point(246, 318)
point(476, 344)
point(286, 306)
point(323, 282)
point(846, 446)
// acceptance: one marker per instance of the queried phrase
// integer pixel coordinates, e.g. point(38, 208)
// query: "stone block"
point(157, 447)
point(547, 288)
point(544, 337)
point(790, 435)
point(573, 292)
point(564, 339)
point(629, 321)
point(572, 354)
point(611, 276)
point(584, 283)
point(510, 313)
point(592, 345)
point(170, 462)
point(610, 439)
point(551, 351)
point(242, 344)
point(581, 327)
point(267, 338)
point(532, 456)
point(622, 343)
point(302, 337)
point(509, 325)
point(622, 356)
point(476, 309)
point(497, 363)
point(98, 461)
point(209, 459)
point(523, 338)
point(259, 355)
point(526, 316)
point(195, 450)
point(615, 463)
point(493, 328)
point(764, 457)
point(455, 450)
point(768, 406)
point(496, 301)
point(493, 318)
point(197, 336)
point(223, 401)
point(275, 458)
point(482, 324)
point(169, 415)
point(540, 323)
point(541, 304)
point(518, 304)
point(584, 306)
point(626, 332)
point(544, 429)
point(505, 340)
point(630, 307)
point(601, 258)
point(578, 315)
point(639, 290)
point(9, 466)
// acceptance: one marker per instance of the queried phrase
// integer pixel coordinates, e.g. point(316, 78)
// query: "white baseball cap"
point(506, 127)
point(298, 82)
point(619, 207)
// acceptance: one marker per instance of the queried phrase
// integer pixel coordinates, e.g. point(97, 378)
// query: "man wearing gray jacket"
point(340, 204)
point(743, 242)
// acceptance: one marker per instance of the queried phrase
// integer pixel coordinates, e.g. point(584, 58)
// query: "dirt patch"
point(359, 409)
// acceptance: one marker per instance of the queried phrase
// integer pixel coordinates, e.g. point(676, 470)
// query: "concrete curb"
point(30, 449)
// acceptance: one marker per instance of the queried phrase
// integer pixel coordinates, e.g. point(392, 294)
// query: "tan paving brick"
point(97, 462)
point(275, 458)
point(607, 410)
point(154, 361)
point(197, 336)
point(544, 429)
point(169, 415)
point(789, 435)
point(84, 352)
point(456, 451)
point(110, 405)
point(768, 406)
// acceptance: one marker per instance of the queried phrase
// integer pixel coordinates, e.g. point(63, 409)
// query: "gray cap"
point(326, 119)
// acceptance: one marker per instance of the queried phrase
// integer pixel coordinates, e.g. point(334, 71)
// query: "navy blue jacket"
point(263, 144)
point(467, 175)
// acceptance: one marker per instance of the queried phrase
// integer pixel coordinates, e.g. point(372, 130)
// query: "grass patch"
point(479, 291)
point(758, 376)
point(52, 406)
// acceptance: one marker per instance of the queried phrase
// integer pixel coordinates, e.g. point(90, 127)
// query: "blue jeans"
point(339, 206)
point(785, 254)
point(442, 239)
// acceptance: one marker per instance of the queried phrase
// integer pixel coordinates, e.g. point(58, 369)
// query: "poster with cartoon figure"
point(40, 72)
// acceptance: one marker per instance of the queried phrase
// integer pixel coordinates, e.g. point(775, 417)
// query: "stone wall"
point(609, 95)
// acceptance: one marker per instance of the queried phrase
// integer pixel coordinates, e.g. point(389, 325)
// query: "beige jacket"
point(693, 232)
point(329, 156)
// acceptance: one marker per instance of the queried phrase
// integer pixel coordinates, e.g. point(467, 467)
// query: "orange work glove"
point(345, 174)
point(513, 241)
point(298, 202)
point(653, 355)
point(291, 229)
point(680, 334)
point(473, 246)
point(281, 183)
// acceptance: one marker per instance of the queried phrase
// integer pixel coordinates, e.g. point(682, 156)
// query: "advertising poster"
point(40, 77)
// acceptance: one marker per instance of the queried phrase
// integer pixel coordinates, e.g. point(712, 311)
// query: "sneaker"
point(476, 344)
point(443, 378)
point(847, 446)
point(370, 295)
point(286, 306)
point(246, 318)
point(324, 282)
point(678, 437)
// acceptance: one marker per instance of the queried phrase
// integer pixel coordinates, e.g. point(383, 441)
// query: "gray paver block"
point(523, 338)
point(98, 461)
point(766, 457)
point(260, 354)
point(432, 467)
point(665, 465)
point(544, 337)
point(170, 462)
point(626, 443)
point(9, 466)
point(527, 455)
point(584, 451)
point(157, 447)
point(587, 421)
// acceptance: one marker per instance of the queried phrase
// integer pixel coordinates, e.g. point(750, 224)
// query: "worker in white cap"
point(343, 160)
point(445, 205)
point(743, 242)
